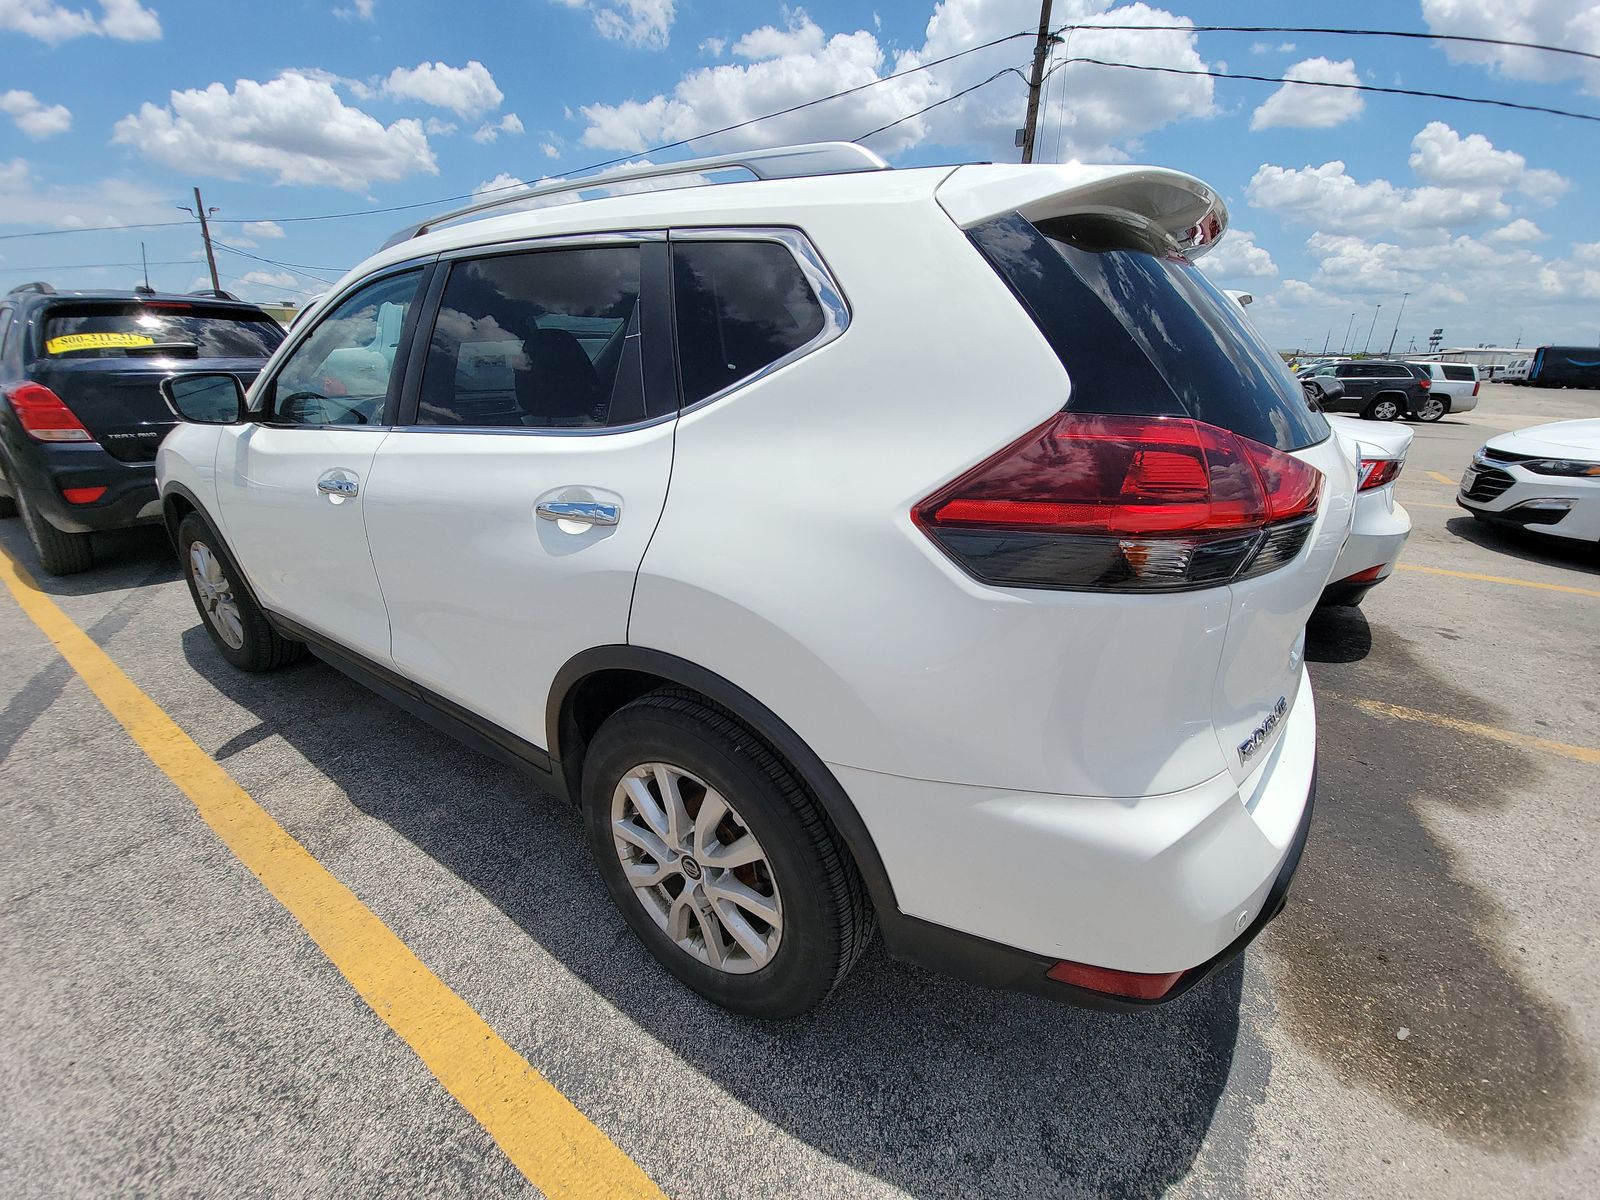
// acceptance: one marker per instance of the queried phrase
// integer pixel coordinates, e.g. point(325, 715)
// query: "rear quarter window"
point(135, 330)
point(1459, 373)
point(1143, 331)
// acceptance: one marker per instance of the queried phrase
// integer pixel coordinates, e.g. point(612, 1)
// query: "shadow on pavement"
point(1338, 634)
point(1526, 545)
point(943, 1089)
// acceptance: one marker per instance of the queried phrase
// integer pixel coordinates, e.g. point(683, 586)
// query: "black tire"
point(261, 648)
point(58, 553)
point(827, 920)
point(1384, 408)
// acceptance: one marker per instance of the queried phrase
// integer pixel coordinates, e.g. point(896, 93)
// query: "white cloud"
point(1442, 156)
point(360, 10)
point(1237, 256)
point(467, 91)
point(801, 35)
point(263, 229)
point(435, 127)
point(1521, 232)
point(489, 131)
point(1268, 48)
point(102, 204)
point(714, 46)
point(1108, 109)
point(643, 23)
point(1294, 106)
point(271, 279)
point(123, 20)
point(549, 150)
point(293, 129)
point(1467, 181)
point(35, 118)
point(1570, 23)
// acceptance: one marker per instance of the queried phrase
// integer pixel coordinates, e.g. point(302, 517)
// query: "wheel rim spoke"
point(731, 922)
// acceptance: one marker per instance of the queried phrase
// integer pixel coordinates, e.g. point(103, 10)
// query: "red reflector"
point(1478, 384)
point(84, 495)
point(1370, 575)
point(1129, 984)
point(1425, 382)
point(43, 416)
point(1375, 472)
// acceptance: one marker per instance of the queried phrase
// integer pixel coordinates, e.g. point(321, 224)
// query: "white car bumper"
point(1376, 538)
point(1154, 884)
point(1560, 506)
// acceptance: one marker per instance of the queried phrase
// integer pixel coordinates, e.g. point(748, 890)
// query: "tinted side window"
point(5, 331)
point(1459, 373)
point(1348, 371)
point(547, 340)
point(741, 306)
point(340, 375)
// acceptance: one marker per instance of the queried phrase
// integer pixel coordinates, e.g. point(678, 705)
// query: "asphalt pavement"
point(1420, 1021)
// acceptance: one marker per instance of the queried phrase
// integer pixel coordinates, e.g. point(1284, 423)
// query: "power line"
point(1389, 33)
point(930, 107)
point(174, 262)
point(1349, 87)
point(275, 263)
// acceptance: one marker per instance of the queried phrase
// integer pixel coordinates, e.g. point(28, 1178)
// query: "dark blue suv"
point(81, 412)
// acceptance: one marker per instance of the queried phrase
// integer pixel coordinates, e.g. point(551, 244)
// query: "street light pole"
point(1368, 344)
point(1403, 298)
point(1344, 346)
point(1326, 340)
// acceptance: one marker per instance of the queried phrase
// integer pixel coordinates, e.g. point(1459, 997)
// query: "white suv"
point(1455, 390)
point(924, 548)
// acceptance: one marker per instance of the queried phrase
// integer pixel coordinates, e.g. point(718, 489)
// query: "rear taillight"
point(1425, 383)
point(43, 416)
point(1375, 472)
point(1476, 385)
point(1124, 503)
point(82, 495)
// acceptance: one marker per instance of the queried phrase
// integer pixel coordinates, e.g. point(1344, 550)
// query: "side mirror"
point(206, 398)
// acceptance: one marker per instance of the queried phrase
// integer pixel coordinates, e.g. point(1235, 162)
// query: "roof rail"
point(217, 292)
point(778, 162)
point(38, 285)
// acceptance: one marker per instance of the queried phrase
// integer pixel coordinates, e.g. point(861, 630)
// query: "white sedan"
point(1545, 478)
point(1381, 525)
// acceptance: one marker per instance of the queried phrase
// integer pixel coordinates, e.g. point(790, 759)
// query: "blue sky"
point(111, 110)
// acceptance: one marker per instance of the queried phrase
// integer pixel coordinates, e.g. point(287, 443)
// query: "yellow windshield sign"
point(69, 342)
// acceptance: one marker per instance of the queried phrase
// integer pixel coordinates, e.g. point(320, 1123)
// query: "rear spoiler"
point(1184, 211)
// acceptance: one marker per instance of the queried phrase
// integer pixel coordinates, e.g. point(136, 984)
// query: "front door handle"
point(338, 487)
point(585, 512)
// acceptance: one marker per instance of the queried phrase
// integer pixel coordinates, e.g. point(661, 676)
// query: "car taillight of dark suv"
point(81, 412)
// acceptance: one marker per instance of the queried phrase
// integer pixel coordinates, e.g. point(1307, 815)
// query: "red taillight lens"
point(1123, 503)
point(82, 495)
point(1375, 472)
point(1425, 383)
point(43, 416)
point(1370, 575)
point(1476, 385)
point(1131, 985)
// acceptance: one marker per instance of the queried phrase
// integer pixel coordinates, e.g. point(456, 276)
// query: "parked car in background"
point(646, 494)
point(1545, 478)
point(81, 411)
point(1381, 525)
point(1454, 390)
point(1565, 366)
point(1517, 371)
point(1378, 389)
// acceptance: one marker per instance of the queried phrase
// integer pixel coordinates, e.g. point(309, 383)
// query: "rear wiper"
point(166, 349)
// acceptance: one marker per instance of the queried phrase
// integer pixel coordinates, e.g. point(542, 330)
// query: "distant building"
point(1483, 356)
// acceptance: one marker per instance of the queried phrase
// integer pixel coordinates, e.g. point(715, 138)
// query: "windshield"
point(135, 330)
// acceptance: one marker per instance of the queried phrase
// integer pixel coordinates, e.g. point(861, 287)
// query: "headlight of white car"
point(1562, 466)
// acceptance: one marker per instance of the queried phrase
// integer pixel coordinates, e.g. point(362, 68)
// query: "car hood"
point(1559, 439)
point(1375, 439)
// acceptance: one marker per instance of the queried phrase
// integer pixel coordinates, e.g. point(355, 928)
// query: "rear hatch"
point(1102, 261)
point(106, 360)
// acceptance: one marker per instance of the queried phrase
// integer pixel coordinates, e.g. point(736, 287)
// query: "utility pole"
point(1404, 297)
point(145, 259)
point(1326, 340)
point(199, 210)
point(1370, 328)
point(1041, 51)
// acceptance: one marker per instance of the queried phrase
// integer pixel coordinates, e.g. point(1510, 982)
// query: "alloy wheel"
point(217, 600)
point(1431, 409)
point(1385, 410)
point(696, 868)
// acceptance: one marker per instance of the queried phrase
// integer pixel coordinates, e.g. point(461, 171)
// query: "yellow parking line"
point(1442, 478)
point(560, 1151)
point(1527, 583)
point(1377, 708)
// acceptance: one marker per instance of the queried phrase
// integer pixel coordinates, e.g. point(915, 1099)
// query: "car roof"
point(28, 295)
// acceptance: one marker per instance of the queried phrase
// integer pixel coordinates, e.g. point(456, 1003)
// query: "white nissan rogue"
point(927, 550)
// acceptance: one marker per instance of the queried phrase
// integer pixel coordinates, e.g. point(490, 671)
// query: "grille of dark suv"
point(1489, 484)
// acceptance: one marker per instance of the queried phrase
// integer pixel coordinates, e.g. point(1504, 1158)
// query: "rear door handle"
point(585, 512)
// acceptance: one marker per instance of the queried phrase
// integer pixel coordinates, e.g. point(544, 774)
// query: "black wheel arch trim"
point(172, 520)
point(560, 732)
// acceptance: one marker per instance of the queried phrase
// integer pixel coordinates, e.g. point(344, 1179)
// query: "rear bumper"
point(999, 886)
point(1377, 536)
point(44, 469)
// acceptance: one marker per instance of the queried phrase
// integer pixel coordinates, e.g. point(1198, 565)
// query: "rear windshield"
point(134, 330)
point(1140, 331)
